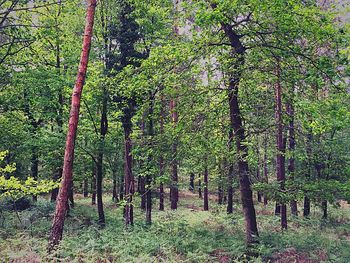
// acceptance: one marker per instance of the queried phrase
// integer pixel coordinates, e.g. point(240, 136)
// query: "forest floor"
point(186, 235)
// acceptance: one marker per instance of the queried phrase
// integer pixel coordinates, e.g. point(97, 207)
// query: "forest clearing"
point(175, 131)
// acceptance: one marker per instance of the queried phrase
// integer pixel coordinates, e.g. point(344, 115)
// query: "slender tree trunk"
point(291, 162)
point(230, 177)
point(161, 158)
point(121, 187)
point(266, 176)
point(174, 191)
point(93, 184)
point(307, 207)
point(230, 191)
point(220, 189)
point(324, 209)
point(206, 191)
point(307, 204)
point(236, 124)
point(57, 175)
point(142, 191)
point(114, 190)
point(54, 192)
point(258, 173)
point(150, 132)
point(128, 176)
point(191, 188)
point(99, 177)
point(71, 195)
point(34, 169)
point(280, 145)
point(199, 188)
point(58, 221)
point(242, 151)
point(86, 187)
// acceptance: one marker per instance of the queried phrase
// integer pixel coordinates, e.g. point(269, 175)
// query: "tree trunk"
point(307, 204)
point(306, 211)
point(161, 158)
point(93, 184)
point(191, 188)
point(59, 217)
point(236, 124)
point(280, 145)
point(142, 191)
point(34, 170)
point(266, 176)
point(206, 191)
point(121, 188)
point(54, 192)
point(150, 132)
point(86, 187)
point(149, 200)
point(161, 197)
point(71, 195)
point(99, 177)
point(128, 176)
point(220, 189)
point(324, 209)
point(199, 188)
point(114, 190)
point(291, 162)
point(174, 191)
point(258, 173)
point(230, 191)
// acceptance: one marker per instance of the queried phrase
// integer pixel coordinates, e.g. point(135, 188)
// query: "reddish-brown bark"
point(60, 212)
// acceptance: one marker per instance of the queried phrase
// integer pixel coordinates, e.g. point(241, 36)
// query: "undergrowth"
point(185, 235)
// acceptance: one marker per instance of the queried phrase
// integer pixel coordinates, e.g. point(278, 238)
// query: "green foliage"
point(17, 189)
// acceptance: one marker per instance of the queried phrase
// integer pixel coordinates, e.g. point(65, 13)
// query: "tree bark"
point(206, 192)
point(161, 158)
point(114, 190)
point(324, 209)
point(71, 195)
point(150, 132)
point(59, 217)
point(128, 176)
point(266, 176)
point(236, 124)
point(54, 192)
point(220, 189)
point(291, 161)
point(142, 191)
point(93, 184)
point(200, 188)
point(34, 169)
point(99, 177)
point(280, 145)
point(174, 191)
point(86, 187)
point(307, 205)
point(230, 177)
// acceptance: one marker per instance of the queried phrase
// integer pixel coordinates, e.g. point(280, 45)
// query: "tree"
point(58, 221)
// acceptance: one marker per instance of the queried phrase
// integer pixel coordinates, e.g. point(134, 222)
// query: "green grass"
point(185, 235)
